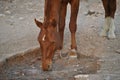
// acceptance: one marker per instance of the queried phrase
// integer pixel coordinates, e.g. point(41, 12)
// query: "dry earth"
point(18, 33)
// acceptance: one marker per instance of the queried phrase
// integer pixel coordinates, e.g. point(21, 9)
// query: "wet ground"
point(99, 58)
point(27, 67)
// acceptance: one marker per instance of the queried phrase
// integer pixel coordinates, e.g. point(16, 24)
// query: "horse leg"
point(109, 27)
point(73, 27)
point(105, 28)
point(111, 33)
point(62, 21)
point(62, 16)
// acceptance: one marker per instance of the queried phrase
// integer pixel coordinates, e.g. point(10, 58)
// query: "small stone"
point(2, 15)
point(90, 37)
point(75, 70)
point(101, 60)
point(12, 17)
point(118, 51)
point(16, 73)
point(81, 77)
point(108, 47)
point(90, 12)
point(6, 8)
point(33, 67)
point(11, 24)
point(21, 18)
point(7, 12)
point(23, 74)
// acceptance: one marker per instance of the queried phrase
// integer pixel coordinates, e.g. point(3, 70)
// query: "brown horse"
point(52, 29)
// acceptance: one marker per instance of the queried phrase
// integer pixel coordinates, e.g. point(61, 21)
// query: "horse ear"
point(38, 23)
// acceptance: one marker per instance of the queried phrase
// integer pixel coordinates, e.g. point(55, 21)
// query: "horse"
point(52, 28)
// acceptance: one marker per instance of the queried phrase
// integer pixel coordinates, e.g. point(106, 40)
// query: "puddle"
point(28, 66)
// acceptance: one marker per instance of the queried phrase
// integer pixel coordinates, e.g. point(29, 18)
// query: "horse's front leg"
point(73, 27)
point(109, 26)
point(62, 16)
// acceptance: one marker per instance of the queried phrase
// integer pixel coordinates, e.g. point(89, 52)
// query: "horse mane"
point(49, 12)
point(47, 9)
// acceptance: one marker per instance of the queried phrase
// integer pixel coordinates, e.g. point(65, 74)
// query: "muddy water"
point(27, 67)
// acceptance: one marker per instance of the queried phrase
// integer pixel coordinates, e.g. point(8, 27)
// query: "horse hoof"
point(73, 54)
point(103, 34)
point(111, 35)
point(58, 54)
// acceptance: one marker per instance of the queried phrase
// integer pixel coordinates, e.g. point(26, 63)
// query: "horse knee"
point(72, 27)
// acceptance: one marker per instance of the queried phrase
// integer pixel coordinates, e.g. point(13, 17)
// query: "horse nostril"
point(50, 67)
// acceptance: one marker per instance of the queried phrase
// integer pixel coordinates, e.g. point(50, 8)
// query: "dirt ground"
point(18, 33)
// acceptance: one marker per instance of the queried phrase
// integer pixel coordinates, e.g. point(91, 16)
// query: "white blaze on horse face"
point(43, 39)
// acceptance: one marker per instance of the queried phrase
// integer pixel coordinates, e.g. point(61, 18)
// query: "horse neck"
point(51, 11)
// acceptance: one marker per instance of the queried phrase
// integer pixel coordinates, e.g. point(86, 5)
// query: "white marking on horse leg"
point(105, 28)
point(111, 32)
point(58, 54)
point(73, 53)
point(43, 39)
